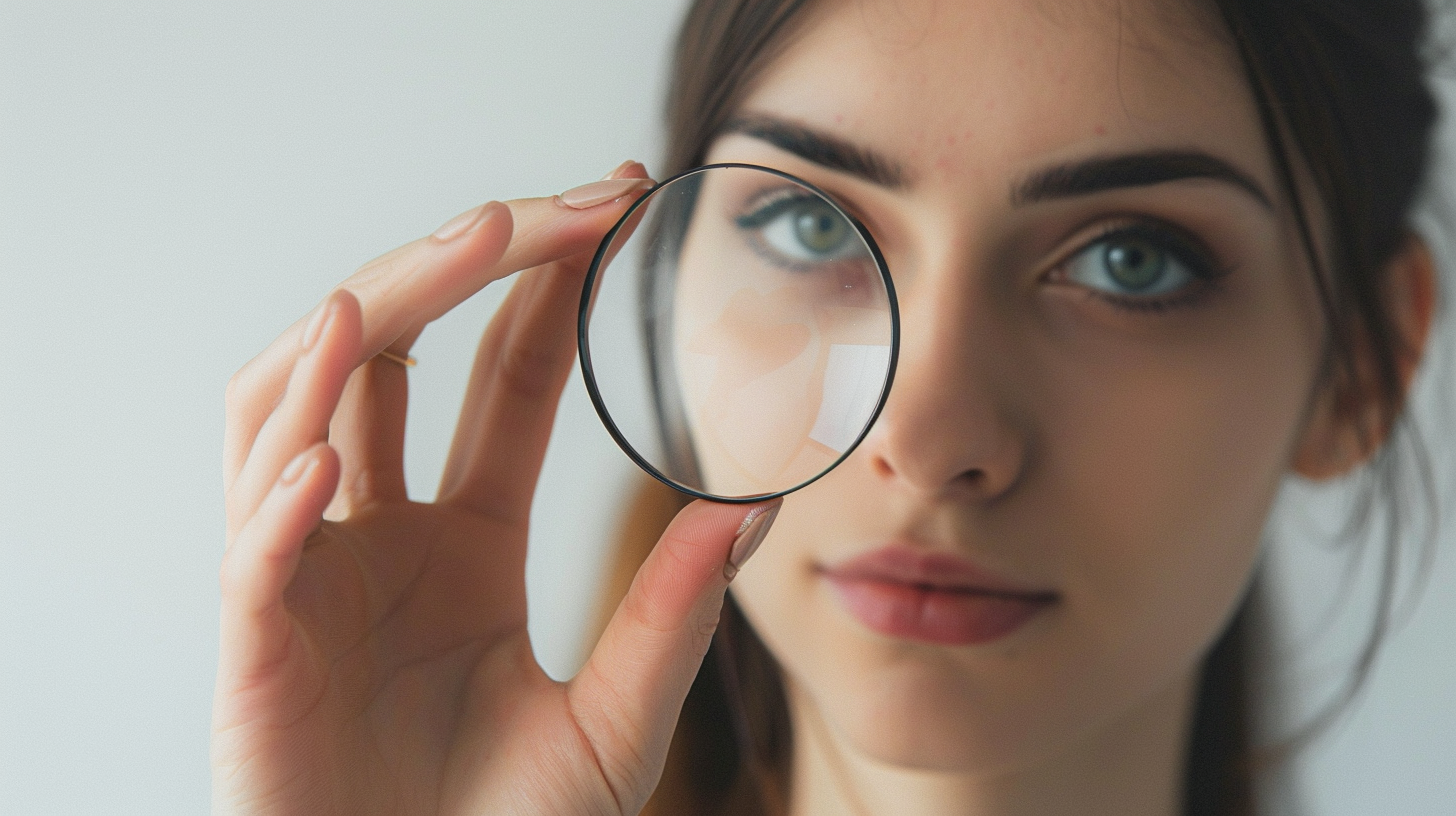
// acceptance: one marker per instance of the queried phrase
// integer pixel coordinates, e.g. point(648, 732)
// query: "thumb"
point(628, 695)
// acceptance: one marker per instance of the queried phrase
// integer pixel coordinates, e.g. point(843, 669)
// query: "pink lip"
point(911, 593)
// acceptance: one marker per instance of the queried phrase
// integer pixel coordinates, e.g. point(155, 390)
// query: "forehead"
point(955, 88)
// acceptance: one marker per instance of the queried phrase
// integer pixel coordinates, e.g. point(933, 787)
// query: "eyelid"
point(1184, 245)
point(831, 192)
point(767, 205)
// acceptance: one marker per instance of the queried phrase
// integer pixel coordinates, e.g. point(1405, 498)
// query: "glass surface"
point(738, 332)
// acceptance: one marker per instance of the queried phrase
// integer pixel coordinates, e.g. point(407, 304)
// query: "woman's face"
point(1109, 348)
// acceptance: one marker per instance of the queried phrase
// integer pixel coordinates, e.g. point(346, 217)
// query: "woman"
point(1152, 259)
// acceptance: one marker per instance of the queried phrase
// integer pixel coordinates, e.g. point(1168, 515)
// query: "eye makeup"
point(1141, 265)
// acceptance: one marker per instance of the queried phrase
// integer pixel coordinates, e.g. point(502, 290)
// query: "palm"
point(400, 618)
point(380, 663)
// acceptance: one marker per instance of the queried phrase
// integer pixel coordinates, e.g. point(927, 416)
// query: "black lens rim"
point(588, 372)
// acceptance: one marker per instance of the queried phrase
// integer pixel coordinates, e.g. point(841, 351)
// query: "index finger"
point(417, 283)
point(403, 290)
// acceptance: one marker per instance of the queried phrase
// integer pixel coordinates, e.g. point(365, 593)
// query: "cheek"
point(1161, 470)
point(774, 589)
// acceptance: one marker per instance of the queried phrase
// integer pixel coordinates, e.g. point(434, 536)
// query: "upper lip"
point(917, 566)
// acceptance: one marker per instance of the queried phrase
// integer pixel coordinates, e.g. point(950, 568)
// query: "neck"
point(1132, 766)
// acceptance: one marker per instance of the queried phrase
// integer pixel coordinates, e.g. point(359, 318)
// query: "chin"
point(919, 716)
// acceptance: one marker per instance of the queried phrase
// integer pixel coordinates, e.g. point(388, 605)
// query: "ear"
point(1349, 422)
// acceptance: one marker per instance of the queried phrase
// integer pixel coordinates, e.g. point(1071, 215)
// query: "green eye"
point(820, 229)
point(1130, 265)
point(1133, 264)
point(803, 229)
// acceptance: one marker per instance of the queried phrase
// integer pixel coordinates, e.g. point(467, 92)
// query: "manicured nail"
point(301, 465)
point(460, 224)
point(321, 318)
point(750, 534)
point(600, 192)
point(622, 168)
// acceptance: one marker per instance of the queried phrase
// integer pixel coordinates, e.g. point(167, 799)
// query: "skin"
point(378, 661)
point(753, 340)
point(1124, 459)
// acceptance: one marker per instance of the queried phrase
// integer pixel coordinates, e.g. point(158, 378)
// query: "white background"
point(180, 181)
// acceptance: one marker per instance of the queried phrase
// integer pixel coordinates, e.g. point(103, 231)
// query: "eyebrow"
point(1133, 170)
point(821, 149)
point(1085, 177)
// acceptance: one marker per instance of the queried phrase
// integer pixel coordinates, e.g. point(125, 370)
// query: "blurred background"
point(180, 181)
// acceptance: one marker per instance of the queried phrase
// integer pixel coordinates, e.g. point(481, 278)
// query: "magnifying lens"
point(738, 332)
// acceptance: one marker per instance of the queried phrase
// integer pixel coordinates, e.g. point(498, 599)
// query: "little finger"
point(263, 559)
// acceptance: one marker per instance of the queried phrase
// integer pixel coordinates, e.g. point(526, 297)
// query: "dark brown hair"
point(1341, 90)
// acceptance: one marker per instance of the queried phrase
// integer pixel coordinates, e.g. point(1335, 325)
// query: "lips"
point(913, 594)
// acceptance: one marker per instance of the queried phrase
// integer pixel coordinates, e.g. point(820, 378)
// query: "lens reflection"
point(765, 328)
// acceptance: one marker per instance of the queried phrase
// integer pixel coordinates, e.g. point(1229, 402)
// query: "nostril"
point(972, 478)
point(968, 484)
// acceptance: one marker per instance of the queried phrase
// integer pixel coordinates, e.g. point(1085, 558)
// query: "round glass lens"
point(738, 332)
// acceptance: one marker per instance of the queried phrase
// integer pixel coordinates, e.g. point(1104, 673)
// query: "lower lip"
point(945, 617)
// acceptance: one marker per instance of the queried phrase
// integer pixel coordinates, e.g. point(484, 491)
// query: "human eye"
point(800, 230)
point(1142, 267)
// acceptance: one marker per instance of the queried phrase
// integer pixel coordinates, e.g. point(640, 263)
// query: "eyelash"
point(766, 206)
point(1177, 242)
point(1181, 246)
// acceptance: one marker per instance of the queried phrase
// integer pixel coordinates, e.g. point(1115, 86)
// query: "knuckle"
point(649, 619)
point(617, 740)
point(237, 386)
point(707, 627)
point(230, 575)
point(247, 390)
point(528, 370)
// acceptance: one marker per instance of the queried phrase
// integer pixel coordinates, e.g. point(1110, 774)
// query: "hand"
point(378, 661)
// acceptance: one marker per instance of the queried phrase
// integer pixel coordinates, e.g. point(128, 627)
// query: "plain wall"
point(178, 183)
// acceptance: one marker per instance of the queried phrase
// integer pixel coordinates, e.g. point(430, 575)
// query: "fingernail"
point(315, 329)
point(621, 168)
point(300, 466)
point(750, 534)
point(459, 225)
point(600, 192)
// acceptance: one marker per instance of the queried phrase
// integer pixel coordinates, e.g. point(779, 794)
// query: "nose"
point(950, 429)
